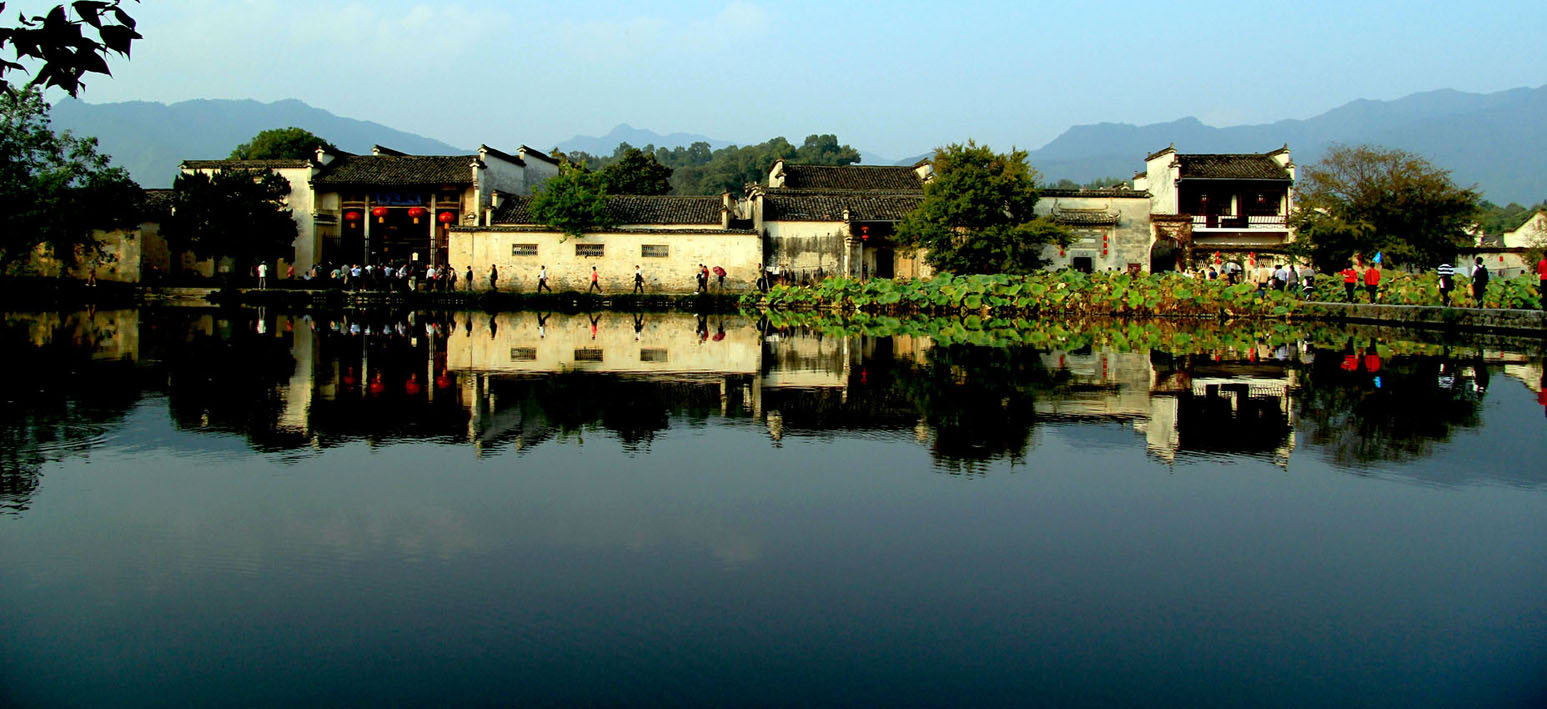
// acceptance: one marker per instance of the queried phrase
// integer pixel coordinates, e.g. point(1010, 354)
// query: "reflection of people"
point(639, 325)
point(595, 286)
point(594, 319)
point(542, 324)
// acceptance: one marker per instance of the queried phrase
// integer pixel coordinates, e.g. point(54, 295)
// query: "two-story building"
point(1236, 205)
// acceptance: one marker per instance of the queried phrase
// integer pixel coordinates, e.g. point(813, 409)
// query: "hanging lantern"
point(864, 233)
point(380, 213)
point(416, 212)
point(447, 218)
point(352, 216)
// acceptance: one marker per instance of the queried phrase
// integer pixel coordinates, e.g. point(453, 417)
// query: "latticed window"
point(590, 249)
point(523, 249)
point(588, 355)
point(655, 250)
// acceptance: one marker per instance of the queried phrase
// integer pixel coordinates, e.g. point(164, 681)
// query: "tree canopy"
point(977, 215)
point(59, 40)
point(637, 172)
point(281, 143)
point(1367, 199)
point(572, 202)
point(55, 188)
point(699, 170)
point(231, 213)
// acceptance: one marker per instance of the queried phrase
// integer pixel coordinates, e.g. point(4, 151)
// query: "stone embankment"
point(1461, 319)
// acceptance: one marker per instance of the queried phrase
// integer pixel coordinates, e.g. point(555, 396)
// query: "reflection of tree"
point(633, 409)
point(231, 381)
point(1419, 402)
point(67, 400)
point(980, 401)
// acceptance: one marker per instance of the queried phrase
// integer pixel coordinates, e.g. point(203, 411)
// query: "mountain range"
point(1491, 140)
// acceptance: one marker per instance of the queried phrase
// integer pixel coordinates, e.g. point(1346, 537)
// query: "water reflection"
point(299, 383)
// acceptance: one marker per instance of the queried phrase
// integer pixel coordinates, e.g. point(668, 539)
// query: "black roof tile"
point(399, 170)
point(851, 177)
point(1248, 166)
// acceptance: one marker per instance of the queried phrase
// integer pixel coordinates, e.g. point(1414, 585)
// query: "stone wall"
point(1478, 319)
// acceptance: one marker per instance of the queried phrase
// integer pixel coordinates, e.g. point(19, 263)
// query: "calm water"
point(257, 509)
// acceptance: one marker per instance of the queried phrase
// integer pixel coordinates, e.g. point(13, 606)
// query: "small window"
point(588, 355)
point(523, 249)
point(654, 250)
point(590, 249)
point(652, 355)
point(523, 354)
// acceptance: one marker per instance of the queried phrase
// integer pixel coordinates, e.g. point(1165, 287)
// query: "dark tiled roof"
point(1247, 166)
point(863, 207)
point(1112, 193)
point(1084, 217)
point(851, 177)
point(242, 164)
point(627, 209)
point(399, 170)
point(539, 229)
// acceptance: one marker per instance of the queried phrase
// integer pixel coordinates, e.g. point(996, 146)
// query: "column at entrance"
point(366, 218)
point(434, 221)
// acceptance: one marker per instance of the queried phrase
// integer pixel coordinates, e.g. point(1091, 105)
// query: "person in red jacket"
point(1350, 281)
point(1372, 281)
point(1541, 275)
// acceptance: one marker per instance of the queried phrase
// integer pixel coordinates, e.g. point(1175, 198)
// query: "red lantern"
point(351, 216)
point(864, 233)
point(380, 213)
point(416, 212)
point(447, 218)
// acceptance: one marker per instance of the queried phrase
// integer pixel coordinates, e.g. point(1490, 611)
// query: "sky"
point(895, 78)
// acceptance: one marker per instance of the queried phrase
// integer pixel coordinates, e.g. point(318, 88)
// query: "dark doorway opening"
point(1083, 264)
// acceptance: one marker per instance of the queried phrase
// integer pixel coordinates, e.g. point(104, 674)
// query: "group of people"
point(400, 277)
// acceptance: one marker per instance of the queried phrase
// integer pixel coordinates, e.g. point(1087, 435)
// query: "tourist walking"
point(542, 279)
point(1372, 281)
point(595, 286)
point(639, 279)
point(1350, 281)
point(1479, 282)
point(1541, 277)
point(494, 277)
point(703, 279)
point(1447, 274)
point(263, 276)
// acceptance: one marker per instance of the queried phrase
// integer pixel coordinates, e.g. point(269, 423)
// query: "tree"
point(1367, 199)
point(55, 188)
point(573, 202)
point(637, 172)
point(281, 143)
point(977, 214)
point(231, 213)
point(59, 41)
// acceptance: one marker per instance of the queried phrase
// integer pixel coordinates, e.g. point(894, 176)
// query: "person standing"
point(1479, 282)
point(1447, 274)
point(1372, 281)
point(595, 286)
point(494, 277)
point(1350, 281)
point(469, 277)
point(1541, 277)
point(542, 279)
point(639, 279)
point(263, 276)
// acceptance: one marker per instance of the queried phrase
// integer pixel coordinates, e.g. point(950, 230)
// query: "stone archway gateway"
point(1171, 243)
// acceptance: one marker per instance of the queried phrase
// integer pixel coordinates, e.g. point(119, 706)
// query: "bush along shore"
point(1072, 293)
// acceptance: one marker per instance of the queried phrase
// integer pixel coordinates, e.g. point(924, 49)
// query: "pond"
point(249, 507)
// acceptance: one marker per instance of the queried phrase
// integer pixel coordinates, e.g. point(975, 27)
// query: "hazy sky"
point(896, 78)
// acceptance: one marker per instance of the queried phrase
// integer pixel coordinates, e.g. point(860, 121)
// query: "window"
point(655, 251)
point(590, 249)
point(588, 355)
point(652, 355)
point(523, 354)
point(523, 249)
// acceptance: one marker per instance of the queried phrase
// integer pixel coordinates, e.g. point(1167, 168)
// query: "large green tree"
point(637, 172)
point(55, 188)
point(697, 170)
point(59, 46)
point(1367, 199)
point(572, 202)
point(977, 215)
point(279, 144)
point(238, 214)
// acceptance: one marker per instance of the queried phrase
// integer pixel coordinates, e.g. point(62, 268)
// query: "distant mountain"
point(150, 139)
point(1492, 140)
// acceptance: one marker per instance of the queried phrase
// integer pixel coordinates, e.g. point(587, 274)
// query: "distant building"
point(1508, 255)
point(1236, 205)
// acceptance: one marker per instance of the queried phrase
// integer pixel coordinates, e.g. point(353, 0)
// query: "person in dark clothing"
point(1479, 281)
point(639, 280)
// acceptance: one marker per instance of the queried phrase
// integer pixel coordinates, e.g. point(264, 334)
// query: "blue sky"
point(895, 78)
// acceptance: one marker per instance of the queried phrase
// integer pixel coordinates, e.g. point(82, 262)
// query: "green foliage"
point(977, 215)
point(1100, 183)
point(1493, 219)
point(55, 188)
point(59, 41)
point(573, 202)
point(698, 170)
point(1364, 199)
point(637, 172)
point(232, 213)
point(281, 143)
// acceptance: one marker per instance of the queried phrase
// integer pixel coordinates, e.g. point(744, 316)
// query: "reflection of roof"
point(851, 177)
point(399, 170)
point(627, 209)
point(243, 164)
point(880, 206)
point(1248, 166)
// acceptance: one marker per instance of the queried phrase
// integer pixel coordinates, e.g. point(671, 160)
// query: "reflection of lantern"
point(412, 386)
point(446, 218)
point(380, 213)
point(416, 212)
point(351, 216)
